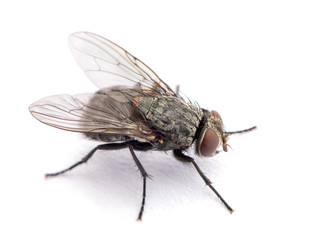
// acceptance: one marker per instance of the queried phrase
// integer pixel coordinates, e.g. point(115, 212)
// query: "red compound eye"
point(209, 143)
point(216, 114)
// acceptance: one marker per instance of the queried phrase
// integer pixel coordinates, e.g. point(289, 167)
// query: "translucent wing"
point(107, 64)
point(91, 113)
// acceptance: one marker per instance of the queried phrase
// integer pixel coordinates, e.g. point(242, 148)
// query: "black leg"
point(144, 176)
point(139, 146)
point(107, 146)
point(180, 156)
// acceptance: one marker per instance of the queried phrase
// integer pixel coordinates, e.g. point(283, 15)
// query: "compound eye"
point(216, 114)
point(209, 143)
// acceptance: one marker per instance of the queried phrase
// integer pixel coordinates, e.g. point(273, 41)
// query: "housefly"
point(133, 109)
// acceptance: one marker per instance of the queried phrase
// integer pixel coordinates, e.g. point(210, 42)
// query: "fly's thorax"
point(173, 120)
point(144, 104)
point(211, 134)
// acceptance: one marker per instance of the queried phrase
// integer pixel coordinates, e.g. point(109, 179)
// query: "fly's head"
point(211, 135)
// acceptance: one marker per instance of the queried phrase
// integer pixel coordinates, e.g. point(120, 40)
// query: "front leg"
point(179, 155)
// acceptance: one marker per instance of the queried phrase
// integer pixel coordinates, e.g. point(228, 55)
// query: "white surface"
point(256, 62)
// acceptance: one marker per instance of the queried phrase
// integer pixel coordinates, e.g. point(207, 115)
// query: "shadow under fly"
point(134, 109)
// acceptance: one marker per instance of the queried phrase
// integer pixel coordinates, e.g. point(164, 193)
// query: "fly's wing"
point(91, 113)
point(108, 65)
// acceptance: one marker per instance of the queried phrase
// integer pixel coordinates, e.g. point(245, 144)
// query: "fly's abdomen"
point(172, 118)
point(106, 137)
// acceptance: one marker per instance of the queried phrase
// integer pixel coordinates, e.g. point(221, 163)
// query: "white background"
point(256, 62)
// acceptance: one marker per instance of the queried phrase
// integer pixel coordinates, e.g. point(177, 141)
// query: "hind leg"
point(107, 146)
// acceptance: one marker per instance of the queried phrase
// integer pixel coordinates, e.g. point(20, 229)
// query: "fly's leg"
point(180, 156)
point(144, 176)
point(139, 146)
point(107, 146)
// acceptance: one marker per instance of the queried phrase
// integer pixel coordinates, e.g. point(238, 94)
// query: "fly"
point(133, 109)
